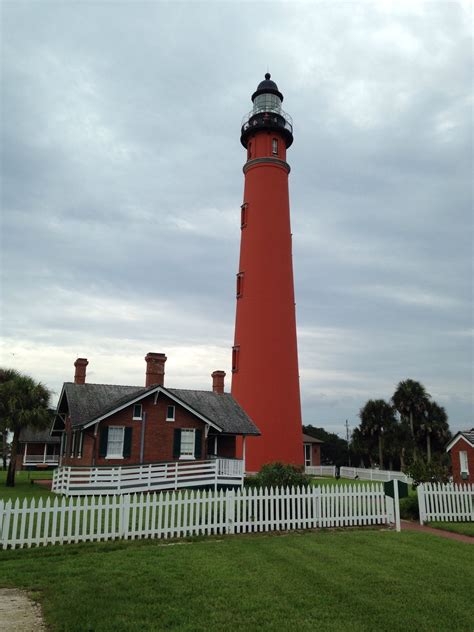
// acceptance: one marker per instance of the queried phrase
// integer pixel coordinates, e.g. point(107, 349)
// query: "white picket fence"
point(450, 502)
point(321, 470)
point(80, 481)
point(365, 474)
point(190, 513)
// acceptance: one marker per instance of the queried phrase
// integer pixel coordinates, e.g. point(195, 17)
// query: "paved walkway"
point(46, 482)
point(416, 526)
point(18, 613)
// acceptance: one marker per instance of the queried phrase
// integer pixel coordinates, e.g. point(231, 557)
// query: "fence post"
point(421, 502)
point(396, 503)
point(2, 504)
point(230, 511)
point(124, 516)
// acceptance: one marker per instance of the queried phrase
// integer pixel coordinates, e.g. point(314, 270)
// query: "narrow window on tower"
point(275, 147)
point(240, 284)
point(235, 358)
point(249, 151)
point(243, 215)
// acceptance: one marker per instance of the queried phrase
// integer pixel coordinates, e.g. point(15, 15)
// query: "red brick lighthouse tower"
point(265, 378)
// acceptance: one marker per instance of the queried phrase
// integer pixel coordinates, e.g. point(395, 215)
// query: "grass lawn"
point(330, 581)
point(23, 485)
point(465, 528)
point(341, 481)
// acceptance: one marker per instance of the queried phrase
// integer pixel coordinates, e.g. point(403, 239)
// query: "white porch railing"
point(33, 459)
point(81, 481)
point(373, 475)
point(446, 503)
point(321, 470)
point(190, 512)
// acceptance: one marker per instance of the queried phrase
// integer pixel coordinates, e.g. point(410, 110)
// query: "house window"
point(275, 147)
point(170, 413)
point(243, 215)
point(187, 443)
point(235, 358)
point(115, 442)
point(137, 411)
point(240, 284)
point(463, 462)
point(307, 454)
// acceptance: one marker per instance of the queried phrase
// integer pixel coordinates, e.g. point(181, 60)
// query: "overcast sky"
point(122, 185)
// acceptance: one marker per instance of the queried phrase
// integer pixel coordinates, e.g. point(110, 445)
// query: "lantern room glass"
point(267, 103)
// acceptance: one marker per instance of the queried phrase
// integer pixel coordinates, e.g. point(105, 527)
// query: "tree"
point(23, 402)
point(434, 425)
point(376, 417)
point(411, 400)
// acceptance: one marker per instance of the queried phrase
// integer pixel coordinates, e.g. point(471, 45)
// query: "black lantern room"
point(267, 113)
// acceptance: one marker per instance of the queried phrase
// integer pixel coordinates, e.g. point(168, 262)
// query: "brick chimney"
point(155, 369)
point(218, 381)
point(80, 374)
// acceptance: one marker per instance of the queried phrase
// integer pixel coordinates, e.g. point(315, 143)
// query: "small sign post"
point(396, 489)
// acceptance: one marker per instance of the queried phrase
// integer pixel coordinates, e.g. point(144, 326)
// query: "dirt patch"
point(19, 613)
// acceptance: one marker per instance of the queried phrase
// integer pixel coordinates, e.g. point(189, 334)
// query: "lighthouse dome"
point(267, 86)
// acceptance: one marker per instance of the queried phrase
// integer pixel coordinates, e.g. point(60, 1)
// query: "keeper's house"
point(108, 424)
point(461, 450)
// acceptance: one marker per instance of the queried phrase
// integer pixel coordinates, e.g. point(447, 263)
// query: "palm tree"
point(23, 402)
point(434, 424)
point(376, 417)
point(411, 399)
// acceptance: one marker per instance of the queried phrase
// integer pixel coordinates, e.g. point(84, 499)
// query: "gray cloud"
point(122, 184)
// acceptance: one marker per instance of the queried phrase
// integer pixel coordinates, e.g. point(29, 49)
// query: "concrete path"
point(416, 526)
point(19, 613)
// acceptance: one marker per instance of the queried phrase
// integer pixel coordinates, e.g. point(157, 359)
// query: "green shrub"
point(433, 472)
point(409, 507)
point(279, 475)
point(251, 482)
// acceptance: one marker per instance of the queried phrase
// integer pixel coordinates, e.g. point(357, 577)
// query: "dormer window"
point(137, 412)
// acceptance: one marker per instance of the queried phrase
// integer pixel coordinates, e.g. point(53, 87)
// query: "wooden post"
point(24, 455)
point(243, 453)
point(396, 502)
point(44, 453)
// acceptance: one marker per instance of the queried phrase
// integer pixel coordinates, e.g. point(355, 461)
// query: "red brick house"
point(37, 450)
point(461, 450)
point(312, 450)
point(108, 424)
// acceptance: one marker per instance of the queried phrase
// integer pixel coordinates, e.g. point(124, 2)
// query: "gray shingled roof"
point(469, 434)
point(222, 409)
point(309, 439)
point(90, 401)
point(30, 435)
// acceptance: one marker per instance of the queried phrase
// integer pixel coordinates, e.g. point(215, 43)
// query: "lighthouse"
point(265, 378)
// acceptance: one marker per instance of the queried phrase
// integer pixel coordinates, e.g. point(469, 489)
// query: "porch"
point(40, 455)
point(152, 477)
